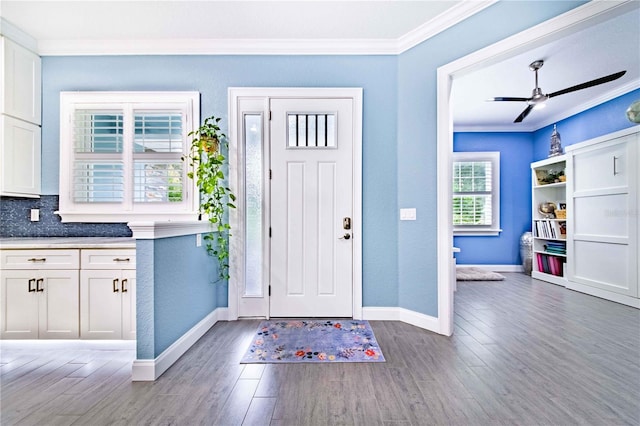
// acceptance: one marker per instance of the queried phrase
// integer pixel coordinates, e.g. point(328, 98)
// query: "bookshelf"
point(549, 220)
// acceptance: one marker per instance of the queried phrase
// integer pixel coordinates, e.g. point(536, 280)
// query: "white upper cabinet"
point(20, 119)
point(21, 92)
point(20, 156)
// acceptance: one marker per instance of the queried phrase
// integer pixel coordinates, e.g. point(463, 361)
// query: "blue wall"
point(212, 75)
point(516, 153)
point(417, 135)
point(174, 291)
point(399, 134)
point(600, 120)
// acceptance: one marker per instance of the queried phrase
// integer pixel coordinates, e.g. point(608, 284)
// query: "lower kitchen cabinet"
point(107, 296)
point(68, 293)
point(39, 304)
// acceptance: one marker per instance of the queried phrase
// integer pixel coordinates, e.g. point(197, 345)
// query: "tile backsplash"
point(15, 221)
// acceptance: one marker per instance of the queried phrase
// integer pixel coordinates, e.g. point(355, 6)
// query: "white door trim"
point(236, 179)
point(560, 26)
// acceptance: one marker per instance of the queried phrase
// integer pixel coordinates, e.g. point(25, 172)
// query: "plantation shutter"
point(98, 169)
point(157, 151)
point(121, 156)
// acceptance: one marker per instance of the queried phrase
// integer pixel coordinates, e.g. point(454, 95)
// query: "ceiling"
point(380, 23)
point(349, 26)
point(596, 51)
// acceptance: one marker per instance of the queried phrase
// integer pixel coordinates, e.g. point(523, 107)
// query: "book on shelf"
point(555, 247)
point(552, 229)
point(550, 264)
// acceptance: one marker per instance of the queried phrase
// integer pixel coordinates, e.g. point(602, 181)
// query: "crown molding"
point(446, 20)
point(14, 33)
point(442, 22)
point(216, 47)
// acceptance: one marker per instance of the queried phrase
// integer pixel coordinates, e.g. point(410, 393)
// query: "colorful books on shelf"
point(550, 264)
point(555, 247)
point(552, 229)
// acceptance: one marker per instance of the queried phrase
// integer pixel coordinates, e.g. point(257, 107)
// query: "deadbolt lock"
point(346, 223)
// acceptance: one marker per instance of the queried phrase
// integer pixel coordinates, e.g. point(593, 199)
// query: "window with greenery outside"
point(475, 198)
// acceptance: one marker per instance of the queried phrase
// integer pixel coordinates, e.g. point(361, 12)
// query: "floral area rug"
point(313, 341)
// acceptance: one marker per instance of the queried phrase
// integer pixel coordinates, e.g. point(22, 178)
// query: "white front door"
point(311, 273)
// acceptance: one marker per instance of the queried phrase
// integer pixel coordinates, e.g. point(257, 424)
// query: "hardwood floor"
point(524, 352)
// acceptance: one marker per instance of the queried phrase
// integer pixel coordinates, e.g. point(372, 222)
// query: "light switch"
point(35, 215)
point(407, 214)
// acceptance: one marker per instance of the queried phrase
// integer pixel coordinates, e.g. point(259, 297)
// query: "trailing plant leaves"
point(209, 174)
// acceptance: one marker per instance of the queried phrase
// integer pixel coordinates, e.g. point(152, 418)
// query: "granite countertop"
point(67, 242)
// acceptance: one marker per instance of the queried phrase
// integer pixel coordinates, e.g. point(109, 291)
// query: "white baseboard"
point(604, 294)
point(496, 268)
point(148, 370)
point(400, 314)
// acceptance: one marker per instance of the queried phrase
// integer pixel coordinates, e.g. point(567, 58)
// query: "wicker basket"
point(561, 214)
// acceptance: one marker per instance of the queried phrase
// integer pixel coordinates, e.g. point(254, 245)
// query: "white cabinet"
point(20, 158)
point(603, 230)
point(549, 224)
point(39, 297)
point(22, 88)
point(108, 294)
point(20, 119)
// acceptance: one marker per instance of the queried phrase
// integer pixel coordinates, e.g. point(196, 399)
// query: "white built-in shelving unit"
point(549, 229)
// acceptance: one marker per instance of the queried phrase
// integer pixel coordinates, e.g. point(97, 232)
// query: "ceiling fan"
point(538, 99)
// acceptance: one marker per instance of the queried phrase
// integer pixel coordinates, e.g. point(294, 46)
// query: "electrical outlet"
point(407, 214)
point(35, 215)
point(198, 240)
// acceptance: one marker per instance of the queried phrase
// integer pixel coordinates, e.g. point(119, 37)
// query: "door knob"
point(346, 236)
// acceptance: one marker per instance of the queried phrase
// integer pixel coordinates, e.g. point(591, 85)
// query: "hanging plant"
point(207, 166)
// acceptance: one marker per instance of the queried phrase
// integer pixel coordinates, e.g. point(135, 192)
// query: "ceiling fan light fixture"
point(538, 98)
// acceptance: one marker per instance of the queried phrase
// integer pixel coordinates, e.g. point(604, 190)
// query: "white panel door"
point(19, 157)
point(311, 196)
point(59, 304)
point(19, 303)
point(100, 304)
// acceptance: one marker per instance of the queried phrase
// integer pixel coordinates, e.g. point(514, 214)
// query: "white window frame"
point(127, 211)
point(482, 230)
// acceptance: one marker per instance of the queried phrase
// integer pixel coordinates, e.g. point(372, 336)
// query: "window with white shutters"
point(121, 156)
point(476, 193)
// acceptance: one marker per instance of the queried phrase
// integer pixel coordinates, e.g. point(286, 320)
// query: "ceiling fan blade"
point(508, 99)
point(523, 114)
point(588, 84)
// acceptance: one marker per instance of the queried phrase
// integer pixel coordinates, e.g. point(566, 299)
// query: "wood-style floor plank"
point(524, 352)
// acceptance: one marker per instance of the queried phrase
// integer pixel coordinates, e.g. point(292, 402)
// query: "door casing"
point(261, 96)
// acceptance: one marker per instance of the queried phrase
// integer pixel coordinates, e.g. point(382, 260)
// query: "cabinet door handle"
point(124, 285)
point(37, 259)
point(115, 285)
point(38, 282)
point(120, 259)
point(31, 282)
point(615, 169)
